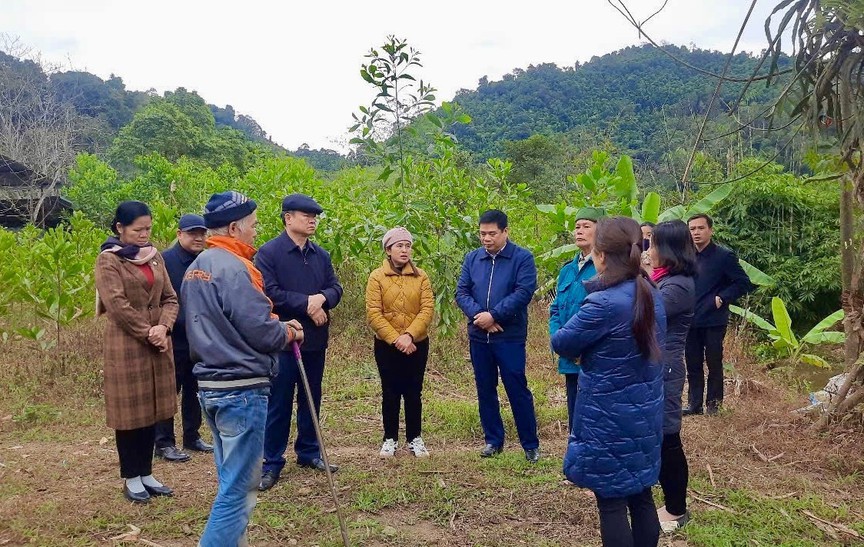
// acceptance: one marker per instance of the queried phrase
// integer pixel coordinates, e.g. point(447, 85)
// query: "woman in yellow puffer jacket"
point(399, 308)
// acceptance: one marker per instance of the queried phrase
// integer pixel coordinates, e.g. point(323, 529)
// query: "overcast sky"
point(294, 66)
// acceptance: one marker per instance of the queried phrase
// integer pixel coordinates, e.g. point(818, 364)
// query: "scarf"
point(659, 273)
point(243, 252)
point(133, 253)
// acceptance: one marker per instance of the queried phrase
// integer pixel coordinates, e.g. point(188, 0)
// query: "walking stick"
point(312, 411)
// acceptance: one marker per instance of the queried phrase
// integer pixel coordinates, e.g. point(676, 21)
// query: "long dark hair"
point(674, 247)
point(619, 239)
point(127, 212)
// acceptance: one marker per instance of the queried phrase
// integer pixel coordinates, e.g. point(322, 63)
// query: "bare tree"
point(36, 129)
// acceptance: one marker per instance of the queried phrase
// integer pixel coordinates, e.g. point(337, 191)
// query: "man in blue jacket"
point(720, 280)
point(191, 235)
point(497, 283)
point(299, 279)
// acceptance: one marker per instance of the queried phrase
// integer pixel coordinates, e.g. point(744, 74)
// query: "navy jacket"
point(678, 293)
point(502, 285)
point(614, 447)
point(177, 261)
point(718, 274)
point(290, 276)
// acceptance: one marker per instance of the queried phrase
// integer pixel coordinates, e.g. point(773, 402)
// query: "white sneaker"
point(388, 449)
point(418, 448)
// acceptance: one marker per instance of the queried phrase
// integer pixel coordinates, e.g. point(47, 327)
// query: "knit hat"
point(590, 213)
point(395, 235)
point(227, 207)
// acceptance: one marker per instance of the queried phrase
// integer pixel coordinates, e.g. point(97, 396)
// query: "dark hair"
point(708, 219)
point(494, 216)
point(646, 223)
point(674, 247)
point(128, 212)
point(619, 239)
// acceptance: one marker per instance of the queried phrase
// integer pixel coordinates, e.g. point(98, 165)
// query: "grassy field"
point(758, 475)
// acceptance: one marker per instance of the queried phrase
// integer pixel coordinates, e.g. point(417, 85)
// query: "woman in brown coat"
point(134, 292)
point(399, 308)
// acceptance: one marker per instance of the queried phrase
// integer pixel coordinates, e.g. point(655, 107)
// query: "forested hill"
point(638, 98)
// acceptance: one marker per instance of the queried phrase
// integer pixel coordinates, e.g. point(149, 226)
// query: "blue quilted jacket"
point(614, 447)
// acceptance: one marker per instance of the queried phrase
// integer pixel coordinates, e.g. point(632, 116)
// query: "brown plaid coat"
point(139, 380)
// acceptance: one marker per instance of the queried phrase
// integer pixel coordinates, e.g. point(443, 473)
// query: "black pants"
point(674, 474)
point(705, 344)
point(571, 381)
point(616, 531)
point(401, 378)
point(190, 408)
point(135, 448)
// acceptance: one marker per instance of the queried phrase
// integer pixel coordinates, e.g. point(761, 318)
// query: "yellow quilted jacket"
point(399, 303)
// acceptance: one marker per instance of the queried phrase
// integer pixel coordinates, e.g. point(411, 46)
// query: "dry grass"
point(59, 480)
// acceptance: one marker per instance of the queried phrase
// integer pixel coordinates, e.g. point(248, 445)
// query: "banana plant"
point(785, 341)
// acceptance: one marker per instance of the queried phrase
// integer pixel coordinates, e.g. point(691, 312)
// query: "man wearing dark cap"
point(191, 236)
point(299, 279)
point(234, 338)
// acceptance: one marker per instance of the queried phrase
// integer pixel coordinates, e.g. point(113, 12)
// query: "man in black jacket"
point(299, 279)
point(720, 280)
point(191, 236)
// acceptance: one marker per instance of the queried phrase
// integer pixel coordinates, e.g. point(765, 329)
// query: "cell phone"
point(646, 244)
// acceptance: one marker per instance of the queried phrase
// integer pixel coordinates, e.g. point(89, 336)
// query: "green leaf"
point(672, 213)
point(625, 183)
point(651, 207)
point(815, 333)
point(753, 318)
point(708, 202)
point(558, 251)
point(783, 322)
point(757, 276)
point(814, 360)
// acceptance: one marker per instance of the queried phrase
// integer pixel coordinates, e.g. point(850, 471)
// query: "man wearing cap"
point(299, 279)
point(191, 236)
point(234, 339)
point(497, 283)
point(571, 292)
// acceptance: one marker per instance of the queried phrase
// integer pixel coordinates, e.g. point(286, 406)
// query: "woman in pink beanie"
point(399, 308)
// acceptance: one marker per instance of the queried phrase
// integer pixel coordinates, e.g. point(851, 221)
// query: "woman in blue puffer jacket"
point(618, 333)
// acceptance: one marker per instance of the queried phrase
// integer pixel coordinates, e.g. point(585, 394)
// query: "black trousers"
point(705, 344)
point(135, 449)
point(571, 381)
point(401, 378)
point(616, 531)
point(190, 408)
point(674, 474)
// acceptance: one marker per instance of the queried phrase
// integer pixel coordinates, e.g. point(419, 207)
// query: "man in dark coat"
point(720, 280)
point(299, 279)
point(191, 236)
point(497, 283)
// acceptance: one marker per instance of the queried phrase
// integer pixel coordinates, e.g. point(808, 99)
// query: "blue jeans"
point(509, 359)
point(237, 419)
point(285, 384)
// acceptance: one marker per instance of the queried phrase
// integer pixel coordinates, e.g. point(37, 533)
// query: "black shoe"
point(712, 410)
point(135, 497)
point(490, 450)
point(159, 491)
point(198, 446)
point(172, 454)
point(690, 411)
point(532, 455)
point(318, 465)
point(268, 480)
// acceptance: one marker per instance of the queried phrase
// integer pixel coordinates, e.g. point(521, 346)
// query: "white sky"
point(294, 66)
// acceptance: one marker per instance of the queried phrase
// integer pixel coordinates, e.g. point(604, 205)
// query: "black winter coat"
point(718, 274)
point(679, 296)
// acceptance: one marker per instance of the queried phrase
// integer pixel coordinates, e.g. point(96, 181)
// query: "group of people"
point(230, 341)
